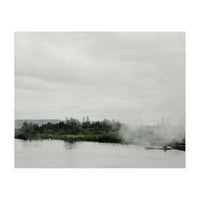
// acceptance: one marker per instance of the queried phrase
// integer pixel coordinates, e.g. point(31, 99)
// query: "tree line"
point(70, 126)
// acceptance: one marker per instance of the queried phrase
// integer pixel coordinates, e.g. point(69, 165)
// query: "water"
point(60, 154)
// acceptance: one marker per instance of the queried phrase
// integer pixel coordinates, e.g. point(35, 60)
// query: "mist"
point(158, 134)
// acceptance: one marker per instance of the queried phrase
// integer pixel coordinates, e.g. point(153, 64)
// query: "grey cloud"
point(134, 77)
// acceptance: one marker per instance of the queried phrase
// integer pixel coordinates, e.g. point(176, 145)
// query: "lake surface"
point(61, 154)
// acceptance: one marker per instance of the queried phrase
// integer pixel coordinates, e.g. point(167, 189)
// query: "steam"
point(159, 134)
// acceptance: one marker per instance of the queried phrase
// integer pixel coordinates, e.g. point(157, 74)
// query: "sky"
point(133, 77)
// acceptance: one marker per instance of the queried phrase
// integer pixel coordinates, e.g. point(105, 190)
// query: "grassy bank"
point(108, 137)
point(180, 145)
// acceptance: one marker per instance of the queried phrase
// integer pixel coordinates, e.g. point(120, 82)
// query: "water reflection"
point(31, 143)
point(70, 145)
point(59, 154)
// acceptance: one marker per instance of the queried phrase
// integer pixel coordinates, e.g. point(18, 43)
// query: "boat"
point(165, 147)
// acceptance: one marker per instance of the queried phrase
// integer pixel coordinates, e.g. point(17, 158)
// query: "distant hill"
point(39, 122)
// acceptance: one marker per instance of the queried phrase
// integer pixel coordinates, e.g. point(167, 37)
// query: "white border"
point(104, 15)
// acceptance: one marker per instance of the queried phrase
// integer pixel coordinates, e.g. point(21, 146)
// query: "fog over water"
point(136, 78)
point(159, 134)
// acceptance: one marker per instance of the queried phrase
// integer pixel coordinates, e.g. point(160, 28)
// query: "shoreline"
point(103, 138)
point(95, 138)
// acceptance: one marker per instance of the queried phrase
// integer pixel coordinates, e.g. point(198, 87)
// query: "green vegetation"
point(180, 145)
point(72, 130)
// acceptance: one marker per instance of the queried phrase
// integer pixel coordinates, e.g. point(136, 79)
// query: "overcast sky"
point(137, 78)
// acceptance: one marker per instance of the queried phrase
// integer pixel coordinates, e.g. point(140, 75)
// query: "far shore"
point(73, 130)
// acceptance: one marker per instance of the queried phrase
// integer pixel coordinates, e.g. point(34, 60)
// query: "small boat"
point(165, 147)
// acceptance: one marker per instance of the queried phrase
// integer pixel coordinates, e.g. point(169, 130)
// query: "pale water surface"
point(60, 154)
